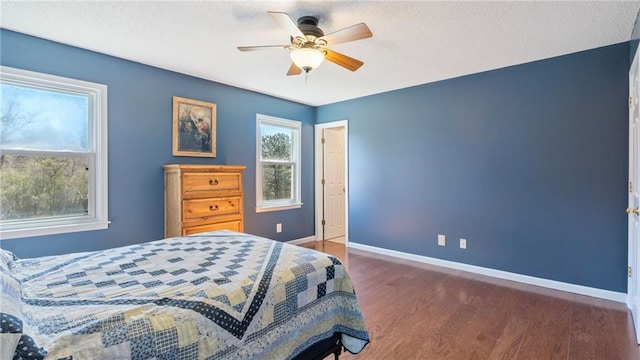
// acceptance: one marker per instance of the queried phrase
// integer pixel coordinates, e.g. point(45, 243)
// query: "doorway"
point(331, 180)
point(633, 209)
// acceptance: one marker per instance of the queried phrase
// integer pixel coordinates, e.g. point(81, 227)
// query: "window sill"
point(278, 207)
point(53, 229)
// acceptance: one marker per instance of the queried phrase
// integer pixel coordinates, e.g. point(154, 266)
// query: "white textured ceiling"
point(413, 42)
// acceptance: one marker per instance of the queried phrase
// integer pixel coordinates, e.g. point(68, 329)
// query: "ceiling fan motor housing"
point(309, 26)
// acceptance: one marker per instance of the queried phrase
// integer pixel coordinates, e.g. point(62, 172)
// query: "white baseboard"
point(302, 241)
point(531, 280)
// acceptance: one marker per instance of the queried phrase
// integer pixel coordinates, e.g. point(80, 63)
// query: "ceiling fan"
point(309, 43)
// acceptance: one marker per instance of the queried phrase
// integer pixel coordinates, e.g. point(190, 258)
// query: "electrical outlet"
point(278, 228)
point(463, 243)
point(442, 240)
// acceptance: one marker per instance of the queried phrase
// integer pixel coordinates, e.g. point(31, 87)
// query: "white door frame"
point(633, 283)
point(318, 175)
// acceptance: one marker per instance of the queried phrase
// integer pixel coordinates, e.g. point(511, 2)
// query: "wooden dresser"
point(199, 198)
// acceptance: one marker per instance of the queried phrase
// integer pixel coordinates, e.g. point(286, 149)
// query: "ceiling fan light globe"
point(307, 58)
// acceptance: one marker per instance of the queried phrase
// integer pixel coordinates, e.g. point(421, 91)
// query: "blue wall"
point(140, 118)
point(528, 163)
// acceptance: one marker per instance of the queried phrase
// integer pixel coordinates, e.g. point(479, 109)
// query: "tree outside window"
point(276, 168)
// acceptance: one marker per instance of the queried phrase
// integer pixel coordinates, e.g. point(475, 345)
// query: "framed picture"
point(194, 128)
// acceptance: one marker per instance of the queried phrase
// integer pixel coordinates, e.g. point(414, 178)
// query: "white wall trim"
point(531, 280)
point(305, 240)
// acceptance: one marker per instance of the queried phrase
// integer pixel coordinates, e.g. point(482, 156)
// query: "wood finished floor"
point(419, 311)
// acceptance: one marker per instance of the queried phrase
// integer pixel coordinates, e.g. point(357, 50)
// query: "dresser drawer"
point(227, 225)
point(200, 208)
point(193, 182)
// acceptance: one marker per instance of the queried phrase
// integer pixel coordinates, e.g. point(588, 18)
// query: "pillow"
point(6, 259)
point(11, 323)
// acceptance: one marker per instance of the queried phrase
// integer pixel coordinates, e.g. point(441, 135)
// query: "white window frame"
point(296, 127)
point(97, 150)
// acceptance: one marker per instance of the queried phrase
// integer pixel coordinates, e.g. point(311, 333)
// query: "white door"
point(334, 186)
point(633, 284)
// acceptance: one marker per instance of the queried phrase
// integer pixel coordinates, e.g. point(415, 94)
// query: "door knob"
point(633, 211)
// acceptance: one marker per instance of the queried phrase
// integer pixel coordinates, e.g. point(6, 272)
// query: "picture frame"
point(194, 128)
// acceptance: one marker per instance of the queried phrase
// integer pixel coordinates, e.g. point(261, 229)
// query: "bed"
point(216, 295)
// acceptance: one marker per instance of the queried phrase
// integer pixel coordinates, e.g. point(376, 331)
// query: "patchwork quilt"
point(218, 295)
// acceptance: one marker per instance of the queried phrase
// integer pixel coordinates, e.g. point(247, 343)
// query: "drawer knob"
point(213, 207)
point(213, 182)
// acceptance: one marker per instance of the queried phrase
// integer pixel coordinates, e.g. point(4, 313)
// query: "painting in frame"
point(194, 128)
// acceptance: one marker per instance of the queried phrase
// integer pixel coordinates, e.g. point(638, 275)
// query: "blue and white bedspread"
point(218, 295)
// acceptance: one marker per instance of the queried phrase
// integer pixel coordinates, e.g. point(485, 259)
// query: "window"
point(53, 154)
point(278, 164)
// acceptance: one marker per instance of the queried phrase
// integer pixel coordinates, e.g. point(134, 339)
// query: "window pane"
point(276, 182)
point(278, 164)
point(39, 186)
point(276, 143)
point(37, 119)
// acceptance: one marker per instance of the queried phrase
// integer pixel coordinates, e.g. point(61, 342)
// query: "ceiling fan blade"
point(352, 33)
point(342, 60)
point(267, 47)
point(287, 23)
point(294, 70)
